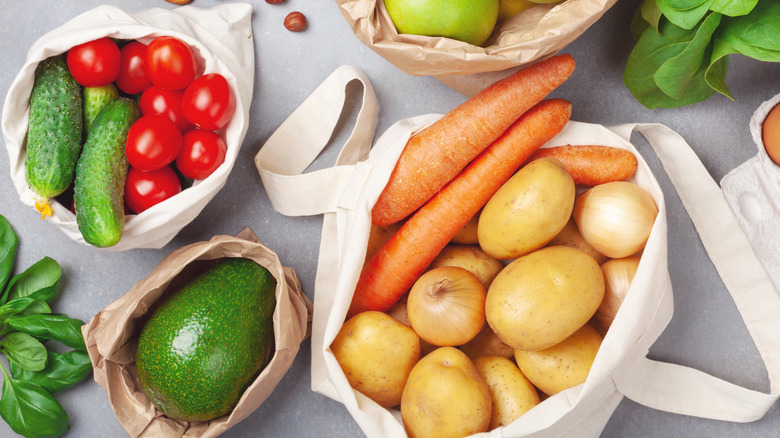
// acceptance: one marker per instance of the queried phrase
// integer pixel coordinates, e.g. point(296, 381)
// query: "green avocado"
point(208, 341)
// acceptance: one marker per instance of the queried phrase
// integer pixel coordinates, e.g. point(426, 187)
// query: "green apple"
point(471, 21)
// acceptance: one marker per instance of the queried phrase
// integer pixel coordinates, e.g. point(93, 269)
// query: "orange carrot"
point(436, 154)
point(591, 164)
point(398, 264)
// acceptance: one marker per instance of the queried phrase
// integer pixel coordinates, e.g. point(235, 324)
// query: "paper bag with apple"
point(475, 49)
point(348, 193)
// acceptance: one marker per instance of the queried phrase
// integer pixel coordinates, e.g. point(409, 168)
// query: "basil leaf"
point(23, 305)
point(652, 51)
point(38, 281)
point(62, 371)
point(673, 76)
point(650, 11)
point(685, 13)
point(733, 8)
point(756, 35)
point(8, 244)
point(56, 327)
point(30, 410)
point(25, 351)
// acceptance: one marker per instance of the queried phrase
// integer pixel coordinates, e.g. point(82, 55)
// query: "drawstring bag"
point(346, 192)
point(221, 39)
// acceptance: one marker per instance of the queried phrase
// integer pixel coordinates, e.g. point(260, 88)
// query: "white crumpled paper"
point(752, 190)
point(221, 38)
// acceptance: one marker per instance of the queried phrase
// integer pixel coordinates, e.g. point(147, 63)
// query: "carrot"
point(398, 264)
point(435, 155)
point(592, 164)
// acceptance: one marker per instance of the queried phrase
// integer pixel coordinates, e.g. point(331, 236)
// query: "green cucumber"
point(94, 100)
point(100, 174)
point(55, 130)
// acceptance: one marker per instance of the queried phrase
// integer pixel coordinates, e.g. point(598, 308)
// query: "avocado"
point(205, 344)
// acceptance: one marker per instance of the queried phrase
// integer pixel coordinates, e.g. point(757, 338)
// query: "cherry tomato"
point(202, 152)
point(170, 63)
point(145, 189)
point(94, 63)
point(167, 103)
point(153, 142)
point(132, 77)
point(208, 102)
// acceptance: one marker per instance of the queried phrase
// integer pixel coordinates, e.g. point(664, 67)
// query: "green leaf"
point(651, 13)
point(8, 244)
point(675, 74)
point(62, 371)
point(25, 351)
point(756, 35)
point(23, 305)
point(685, 13)
point(55, 326)
point(38, 281)
point(30, 410)
point(733, 8)
point(681, 48)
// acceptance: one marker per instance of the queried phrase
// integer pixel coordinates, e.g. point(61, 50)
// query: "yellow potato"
point(561, 366)
point(528, 210)
point(570, 236)
point(398, 311)
point(511, 392)
point(376, 353)
point(470, 258)
point(445, 397)
point(468, 234)
point(543, 297)
point(486, 343)
point(378, 236)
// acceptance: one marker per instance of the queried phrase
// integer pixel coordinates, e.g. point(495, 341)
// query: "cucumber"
point(100, 174)
point(55, 129)
point(94, 100)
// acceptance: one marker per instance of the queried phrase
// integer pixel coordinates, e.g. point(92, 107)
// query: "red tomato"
point(167, 103)
point(94, 63)
point(145, 189)
point(170, 63)
point(153, 142)
point(132, 78)
point(208, 102)
point(202, 152)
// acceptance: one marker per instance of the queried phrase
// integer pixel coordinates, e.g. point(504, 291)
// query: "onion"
point(618, 274)
point(615, 218)
point(446, 306)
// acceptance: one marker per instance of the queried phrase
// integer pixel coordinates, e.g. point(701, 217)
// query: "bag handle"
point(303, 135)
point(684, 390)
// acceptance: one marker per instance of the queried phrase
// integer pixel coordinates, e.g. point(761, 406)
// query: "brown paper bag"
point(532, 35)
point(111, 337)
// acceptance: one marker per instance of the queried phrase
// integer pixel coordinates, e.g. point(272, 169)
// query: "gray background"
point(706, 332)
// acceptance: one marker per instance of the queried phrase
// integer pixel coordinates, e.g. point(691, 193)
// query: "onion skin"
point(446, 306)
point(618, 275)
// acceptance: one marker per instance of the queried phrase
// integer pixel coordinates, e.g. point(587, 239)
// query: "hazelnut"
point(295, 22)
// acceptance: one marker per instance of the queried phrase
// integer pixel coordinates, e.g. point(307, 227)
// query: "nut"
point(274, 2)
point(295, 22)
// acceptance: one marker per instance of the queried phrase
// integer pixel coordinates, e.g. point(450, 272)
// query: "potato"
point(561, 366)
point(570, 236)
point(376, 353)
point(528, 210)
point(543, 297)
point(512, 394)
point(470, 258)
point(487, 343)
point(398, 311)
point(445, 397)
point(378, 236)
point(468, 234)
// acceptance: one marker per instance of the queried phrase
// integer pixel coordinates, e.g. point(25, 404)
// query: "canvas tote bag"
point(346, 192)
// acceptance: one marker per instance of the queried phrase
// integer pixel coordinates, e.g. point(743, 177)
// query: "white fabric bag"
point(221, 38)
point(752, 190)
point(346, 193)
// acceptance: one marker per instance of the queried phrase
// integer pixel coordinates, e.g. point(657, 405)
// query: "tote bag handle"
point(684, 390)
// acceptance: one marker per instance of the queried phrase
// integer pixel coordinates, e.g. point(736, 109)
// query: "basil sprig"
point(27, 329)
point(682, 48)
